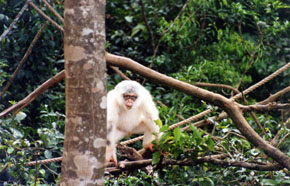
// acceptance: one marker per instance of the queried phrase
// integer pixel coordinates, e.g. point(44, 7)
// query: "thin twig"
point(200, 84)
point(275, 96)
point(53, 11)
point(14, 21)
point(263, 108)
point(119, 72)
point(283, 139)
point(148, 26)
point(50, 170)
point(45, 16)
point(162, 35)
point(253, 115)
point(27, 53)
point(252, 54)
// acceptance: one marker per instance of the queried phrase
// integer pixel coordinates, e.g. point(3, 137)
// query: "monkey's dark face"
point(129, 99)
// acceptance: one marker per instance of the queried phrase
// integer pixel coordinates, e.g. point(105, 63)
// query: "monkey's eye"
point(132, 97)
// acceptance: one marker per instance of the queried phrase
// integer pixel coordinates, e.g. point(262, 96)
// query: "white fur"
point(122, 122)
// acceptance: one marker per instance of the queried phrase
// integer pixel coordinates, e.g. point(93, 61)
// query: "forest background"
point(234, 43)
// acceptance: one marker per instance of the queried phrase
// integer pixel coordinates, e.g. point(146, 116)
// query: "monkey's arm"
point(113, 137)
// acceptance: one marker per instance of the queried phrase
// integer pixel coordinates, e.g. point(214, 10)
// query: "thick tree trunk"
point(85, 73)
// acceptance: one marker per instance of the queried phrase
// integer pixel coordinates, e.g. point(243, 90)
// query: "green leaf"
point(158, 122)
point(137, 28)
point(42, 172)
point(10, 150)
point(210, 143)
point(129, 19)
point(177, 134)
point(156, 157)
point(269, 182)
point(285, 181)
point(47, 154)
point(20, 116)
point(210, 180)
point(16, 133)
point(164, 128)
point(196, 134)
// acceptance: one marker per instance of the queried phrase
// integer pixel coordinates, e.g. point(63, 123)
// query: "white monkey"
point(130, 110)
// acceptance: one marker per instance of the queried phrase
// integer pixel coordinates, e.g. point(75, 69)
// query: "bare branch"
point(45, 16)
point(224, 115)
point(119, 72)
point(263, 108)
point(275, 96)
point(27, 53)
point(32, 96)
point(162, 35)
point(237, 92)
point(148, 26)
point(53, 11)
point(283, 139)
point(263, 81)
point(188, 162)
point(225, 163)
point(14, 21)
point(200, 84)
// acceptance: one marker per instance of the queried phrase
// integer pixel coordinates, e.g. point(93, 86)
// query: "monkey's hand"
point(113, 159)
point(149, 146)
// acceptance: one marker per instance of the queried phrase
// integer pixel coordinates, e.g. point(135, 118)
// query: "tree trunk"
point(85, 73)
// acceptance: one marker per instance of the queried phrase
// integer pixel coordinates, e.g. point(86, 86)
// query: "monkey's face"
point(129, 99)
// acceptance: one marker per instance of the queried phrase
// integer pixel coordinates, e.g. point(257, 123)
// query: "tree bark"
point(85, 72)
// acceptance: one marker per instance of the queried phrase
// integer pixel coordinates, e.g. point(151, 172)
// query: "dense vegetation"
point(236, 43)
